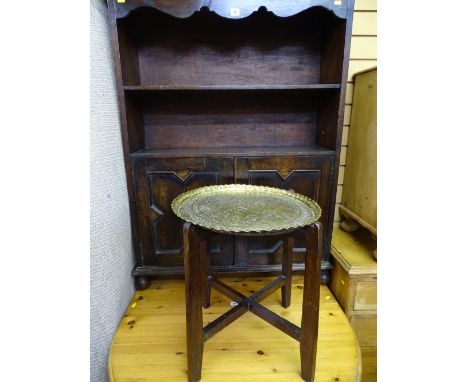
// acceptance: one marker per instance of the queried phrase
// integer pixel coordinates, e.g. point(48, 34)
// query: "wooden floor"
point(149, 344)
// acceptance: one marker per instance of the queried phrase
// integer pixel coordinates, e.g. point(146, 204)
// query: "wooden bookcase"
point(217, 92)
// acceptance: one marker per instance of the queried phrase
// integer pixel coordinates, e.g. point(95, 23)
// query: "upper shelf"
point(231, 9)
point(207, 52)
point(229, 87)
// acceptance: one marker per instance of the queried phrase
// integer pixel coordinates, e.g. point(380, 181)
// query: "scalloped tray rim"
point(313, 205)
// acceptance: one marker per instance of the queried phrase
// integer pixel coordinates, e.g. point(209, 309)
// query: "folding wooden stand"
point(199, 281)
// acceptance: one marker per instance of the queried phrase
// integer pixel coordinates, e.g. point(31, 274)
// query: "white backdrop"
point(111, 253)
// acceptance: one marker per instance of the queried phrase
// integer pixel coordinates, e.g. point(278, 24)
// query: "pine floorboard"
point(149, 344)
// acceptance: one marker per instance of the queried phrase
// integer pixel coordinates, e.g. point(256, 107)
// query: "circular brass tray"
point(244, 209)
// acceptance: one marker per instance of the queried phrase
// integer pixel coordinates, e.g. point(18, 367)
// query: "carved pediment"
point(232, 9)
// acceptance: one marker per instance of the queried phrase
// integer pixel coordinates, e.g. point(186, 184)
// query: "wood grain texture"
point(354, 283)
point(365, 327)
point(339, 284)
point(233, 152)
point(346, 290)
point(199, 90)
point(369, 363)
point(197, 120)
point(196, 296)
point(366, 296)
point(351, 215)
point(360, 190)
point(286, 269)
point(248, 269)
point(193, 302)
point(355, 252)
point(232, 88)
point(149, 344)
point(262, 49)
point(311, 302)
point(158, 182)
point(305, 175)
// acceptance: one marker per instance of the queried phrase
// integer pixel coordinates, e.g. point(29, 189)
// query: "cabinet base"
point(144, 274)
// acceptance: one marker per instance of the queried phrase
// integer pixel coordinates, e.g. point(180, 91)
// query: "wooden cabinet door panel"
point(366, 295)
point(306, 175)
point(158, 182)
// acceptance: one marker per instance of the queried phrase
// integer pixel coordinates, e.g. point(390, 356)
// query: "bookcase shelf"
point(156, 88)
point(208, 96)
point(231, 151)
point(192, 119)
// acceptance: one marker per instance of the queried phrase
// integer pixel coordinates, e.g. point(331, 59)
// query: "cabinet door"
point(157, 183)
point(308, 175)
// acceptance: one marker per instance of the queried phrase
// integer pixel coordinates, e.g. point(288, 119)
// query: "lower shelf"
point(231, 151)
point(149, 344)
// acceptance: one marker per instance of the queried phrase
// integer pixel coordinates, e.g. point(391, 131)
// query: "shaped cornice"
point(232, 9)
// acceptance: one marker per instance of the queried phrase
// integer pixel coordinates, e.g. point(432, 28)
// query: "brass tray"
point(244, 209)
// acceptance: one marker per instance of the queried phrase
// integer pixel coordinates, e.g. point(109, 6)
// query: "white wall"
point(111, 253)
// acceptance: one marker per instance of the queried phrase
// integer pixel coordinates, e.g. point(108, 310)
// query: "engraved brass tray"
point(245, 209)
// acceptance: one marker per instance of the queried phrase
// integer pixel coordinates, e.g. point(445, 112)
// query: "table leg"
point(311, 300)
point(193, 301)
point(286, 269)
point(205, 272)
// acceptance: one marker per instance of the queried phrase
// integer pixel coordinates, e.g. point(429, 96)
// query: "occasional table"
point(250, 211)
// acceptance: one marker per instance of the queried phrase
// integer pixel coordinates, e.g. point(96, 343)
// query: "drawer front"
point(339, 285)
point(365, 327)
point(157, 183)
point(366, 295)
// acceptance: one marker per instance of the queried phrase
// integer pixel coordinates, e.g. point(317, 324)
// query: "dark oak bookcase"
point(217, 92)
